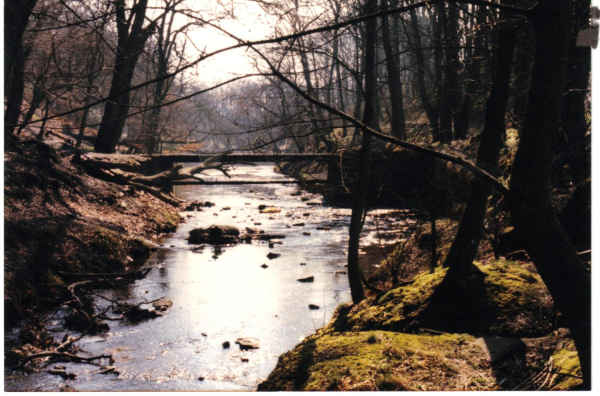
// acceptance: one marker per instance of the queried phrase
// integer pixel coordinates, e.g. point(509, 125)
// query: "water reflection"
point(222, 293)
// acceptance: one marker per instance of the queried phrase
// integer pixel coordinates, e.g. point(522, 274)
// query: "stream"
point(221, 294)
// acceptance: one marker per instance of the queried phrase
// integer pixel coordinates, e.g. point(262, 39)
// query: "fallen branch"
point(61, 355)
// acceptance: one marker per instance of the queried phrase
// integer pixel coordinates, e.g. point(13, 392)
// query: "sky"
point(250, 24)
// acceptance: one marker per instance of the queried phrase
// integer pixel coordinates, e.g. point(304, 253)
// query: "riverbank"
point(387, 342)
point(59, 220)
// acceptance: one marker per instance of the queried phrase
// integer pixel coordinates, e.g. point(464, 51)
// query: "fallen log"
point(153, 184)
point(61, 355)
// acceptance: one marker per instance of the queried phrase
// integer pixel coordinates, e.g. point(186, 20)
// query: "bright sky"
point(250, 24)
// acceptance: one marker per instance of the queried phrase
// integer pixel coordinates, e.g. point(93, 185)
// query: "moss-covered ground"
point(384, 343)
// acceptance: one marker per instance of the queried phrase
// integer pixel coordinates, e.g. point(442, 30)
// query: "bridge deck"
point(242, 181)
point(243, 157)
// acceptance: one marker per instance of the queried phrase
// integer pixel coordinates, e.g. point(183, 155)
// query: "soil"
point(58, 219)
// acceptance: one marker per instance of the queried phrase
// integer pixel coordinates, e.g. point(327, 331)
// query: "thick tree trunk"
point(464, 247)
point(568, 281)
point(130, 46)
point(573, 122)
point(14, 94)
point(16, 17)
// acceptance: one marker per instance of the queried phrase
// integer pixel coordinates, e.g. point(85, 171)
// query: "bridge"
point(161, 162)
point(242, 157)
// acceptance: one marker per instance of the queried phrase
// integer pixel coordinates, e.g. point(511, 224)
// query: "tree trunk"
point(36, 101)
point(465, 244)
point(523, 63)
point(430, 110)
point(561, 269)
point(130, 46)
point(360, 195)
point(16, 17)
point(394, 82)
point(84, 118)
point(573, 122)
point(451, 94)
point(14, 94)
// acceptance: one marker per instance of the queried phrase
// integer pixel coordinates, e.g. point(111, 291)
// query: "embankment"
point(58, 219)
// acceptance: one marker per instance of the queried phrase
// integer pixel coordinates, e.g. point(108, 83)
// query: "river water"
point(222, 294)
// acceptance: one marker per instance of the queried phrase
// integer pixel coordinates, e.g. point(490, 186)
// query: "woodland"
point(475, 115)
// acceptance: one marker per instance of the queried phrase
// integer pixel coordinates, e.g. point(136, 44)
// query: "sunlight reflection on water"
point(223, 298)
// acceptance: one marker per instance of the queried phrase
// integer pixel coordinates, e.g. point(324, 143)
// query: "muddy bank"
point(60, 220)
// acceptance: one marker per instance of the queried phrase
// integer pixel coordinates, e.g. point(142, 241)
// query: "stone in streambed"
point(313, 306)
point(162, 304)
point(214, 235)
point(226, 344)
point(307, 279)
point(246, 343)
point(272, 256)
point(108, 370)
point(270, 210)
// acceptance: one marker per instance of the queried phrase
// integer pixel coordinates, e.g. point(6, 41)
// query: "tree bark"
point(360, 195)
point(465, 244)
point(16, 17)
point(130, 45)
point(561, 269)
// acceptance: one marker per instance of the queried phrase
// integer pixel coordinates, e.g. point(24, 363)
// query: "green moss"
point(504, 299)
point(166, 221)
point(518, 301)
point(566, 364)
point(350, 361)
point(397, 308)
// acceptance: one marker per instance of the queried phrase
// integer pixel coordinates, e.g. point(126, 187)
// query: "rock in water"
point(247, 343)
point(270, 209)
point(108, 370)
point(226, 344)
point(264, 266)
point(214, 235)
point(163, 304)
point(313, 306)
point(272, 256)
point(308, 279)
